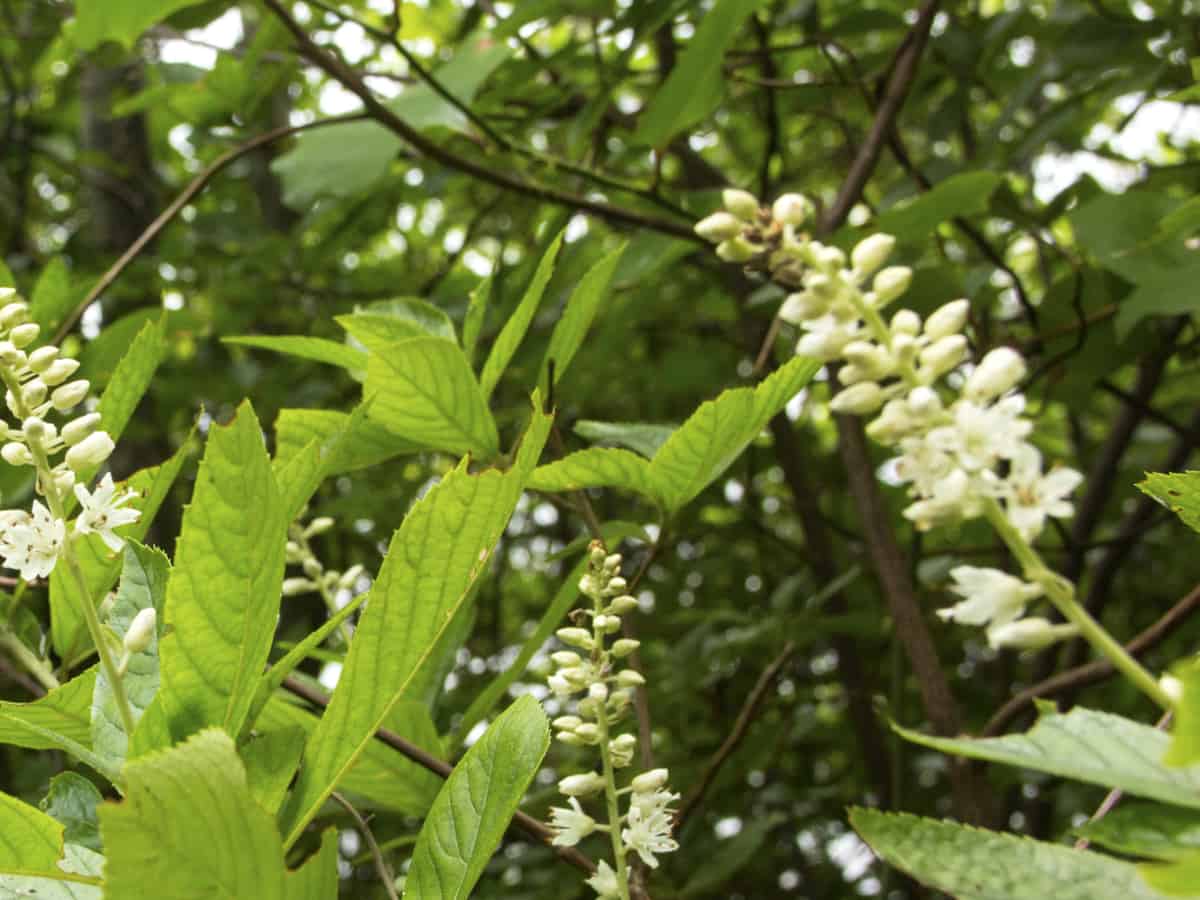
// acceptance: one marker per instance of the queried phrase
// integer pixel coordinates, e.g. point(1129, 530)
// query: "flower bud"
point(649, 782)
point(319, 525)
point(565, 658)
point(567, 723)
point(11, 356)
point(628, 678)
point(791, 209)
point(588, 732)
point(625, 646)
point(42, 357)
point(576, 637)
point(829, 257)
point(905, 321)
point(141, 630)
point(350, 577)
point(742, 204)
point(1030, 633)
point(570, 738)
point(312, 567)
point(77, 429)
point(70, 394)
point(924, 401)
point(33, 392)
point(997, 372)
point(38, 431)
point(91, 451)
point(24, 335)
point(59, 370)
point(737, 250)
point(617, 585)
point(608, 624)
point(620, 750)
point(948, 319)
point(598, 692)
point(16, 454)
point(293, 587)
point(800, 307)
point(890, 284)
point(720, 226)
point(859, 399)
point(1172, 687)
point(64, 479)
point(944, 354)
point(581, 785)
point(13, 314)
point(612, 562)
point(871, 253)
point(623, 604)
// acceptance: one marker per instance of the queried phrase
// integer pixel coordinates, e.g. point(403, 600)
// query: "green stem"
point(601, 660)
point(1062, 594)
point(30, 661)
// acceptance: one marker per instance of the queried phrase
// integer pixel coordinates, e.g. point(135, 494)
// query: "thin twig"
point(353, 82)
point(1093, 672)
point(194, 187)
point(741, 725)
point(381, 866)
point(525, 823)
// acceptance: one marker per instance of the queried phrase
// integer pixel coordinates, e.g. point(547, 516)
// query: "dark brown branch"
point(194, 187)
point(353, 82)
point(525, 823)
point(1093, 672)
point(754, 702)
point(904, 71)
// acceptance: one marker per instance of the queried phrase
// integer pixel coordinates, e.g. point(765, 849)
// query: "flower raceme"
point(591, 671)
point(962, 450)
point(37, 385)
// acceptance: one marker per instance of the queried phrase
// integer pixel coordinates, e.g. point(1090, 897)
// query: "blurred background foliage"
point(1045, 164)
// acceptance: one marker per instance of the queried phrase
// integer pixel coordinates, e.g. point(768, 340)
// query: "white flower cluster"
point(36, 382)
point(592, 671)
point(316, 577)
point(960, 450)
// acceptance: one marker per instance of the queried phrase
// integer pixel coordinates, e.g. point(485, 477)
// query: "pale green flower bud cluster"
point(952, 444)
point(590, 668)
point(38, 384)
point(315, 578)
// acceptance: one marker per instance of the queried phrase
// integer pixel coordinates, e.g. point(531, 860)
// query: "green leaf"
point(31, 844)
point(271, 758)
point(642, 437)
point(473, 322)
point(122, 22)
point(363, 443)
point(381, 777)
point(965, 194)
point(694, 86)
point(695, 453)
point(578, 315)
point(1145, 829)
point(100, 566)
point(223, 596)
point(132, 377)
point(1179, 878)
point(435, 558)
point(387, 321)
point(1122, 233)
point(514, 329)
point(1086, 745)
point(423, 390)
point(595, 467)
point(52, 297)
point(300, 474)
point(1169, 292)
point(1178, 492)
point(345, 160)
point(316, 349)
point(152, 838)
point(99, 358)
point(972, 864)
point(64, 713)
point(471, 813)
point(143, 586)
point(716, 434)
point(72, 801)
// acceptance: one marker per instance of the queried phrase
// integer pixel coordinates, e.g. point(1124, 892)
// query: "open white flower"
point(31, 543)
point(981, 435)
point(990, 597)
point(604, 882)
point(1031, 496)
point(648, 825)
point(103, 511)
point(572, 825)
